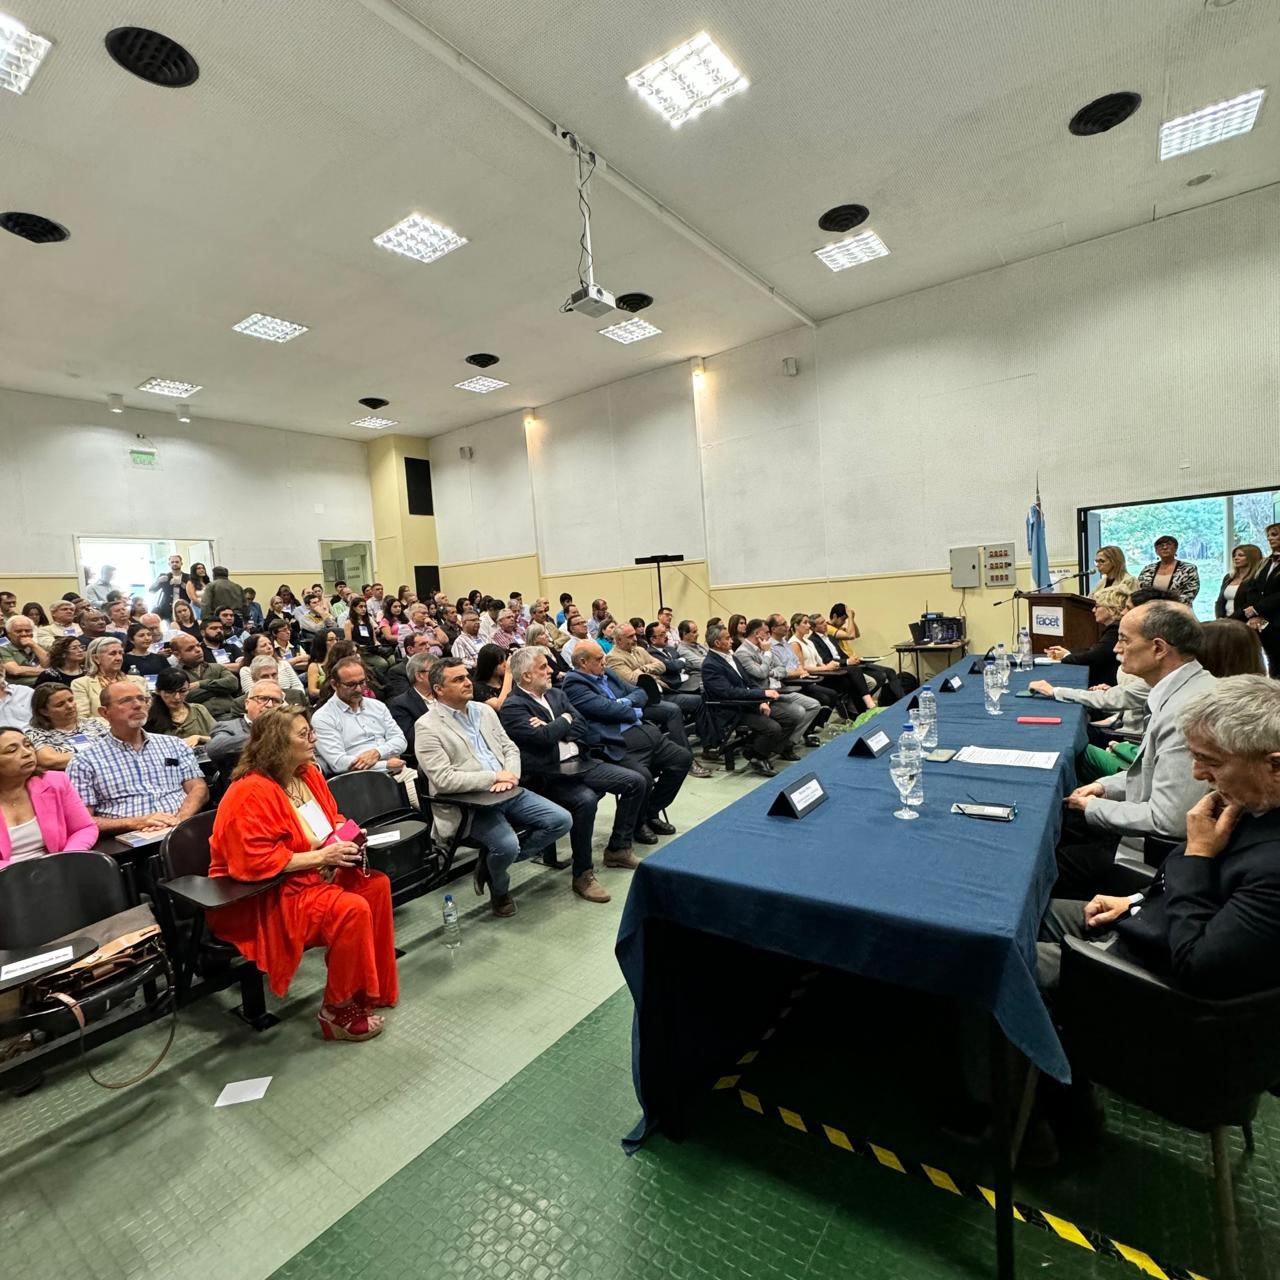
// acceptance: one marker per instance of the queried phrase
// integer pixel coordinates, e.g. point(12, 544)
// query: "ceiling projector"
point(590, 300)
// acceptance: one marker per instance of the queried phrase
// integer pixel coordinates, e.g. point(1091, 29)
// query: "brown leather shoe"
point(697, 770)
point(503, 904)
point(623, 858)
point(587, 886)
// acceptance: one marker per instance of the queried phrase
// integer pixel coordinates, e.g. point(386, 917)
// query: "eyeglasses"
point(350, 684)
point(266, 699)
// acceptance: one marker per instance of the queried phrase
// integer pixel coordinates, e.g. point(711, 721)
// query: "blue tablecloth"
point(945, 904)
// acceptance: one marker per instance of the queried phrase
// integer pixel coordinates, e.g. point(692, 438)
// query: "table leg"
point(662, 1013)
point(1001, 1151)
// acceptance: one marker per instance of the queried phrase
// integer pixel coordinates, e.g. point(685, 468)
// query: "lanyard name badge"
point(313, 815)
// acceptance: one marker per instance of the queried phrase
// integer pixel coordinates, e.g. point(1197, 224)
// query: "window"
point(1208, 528)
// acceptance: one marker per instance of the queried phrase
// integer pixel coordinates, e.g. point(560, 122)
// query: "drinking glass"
point(905, 772)
point(992, 687)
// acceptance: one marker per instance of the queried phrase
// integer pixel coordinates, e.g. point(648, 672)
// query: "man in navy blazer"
point(617, 731)
point(747, 704)
point(409, 707)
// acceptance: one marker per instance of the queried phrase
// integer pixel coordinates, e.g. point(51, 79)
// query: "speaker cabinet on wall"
point(417, 483)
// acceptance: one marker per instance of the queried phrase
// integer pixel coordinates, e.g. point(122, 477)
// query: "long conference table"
point(946, 904)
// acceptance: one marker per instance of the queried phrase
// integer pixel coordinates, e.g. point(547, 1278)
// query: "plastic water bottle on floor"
point(928, 716)
point(1025, 662)
point(452, 929)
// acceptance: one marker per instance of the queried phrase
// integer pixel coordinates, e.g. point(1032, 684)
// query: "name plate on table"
point(874, 744)
point(950, 684)
point(799, 798)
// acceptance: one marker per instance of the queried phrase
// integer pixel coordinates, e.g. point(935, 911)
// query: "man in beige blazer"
point(461, 747)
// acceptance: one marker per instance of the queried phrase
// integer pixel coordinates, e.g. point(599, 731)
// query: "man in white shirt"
point(355, 732)
point(489, 618)
point(578, 628)
point(62, 622)
point(15, 705)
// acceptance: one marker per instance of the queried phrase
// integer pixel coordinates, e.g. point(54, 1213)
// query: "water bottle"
point(452, 929)
point(1002, 665)
point(909, 741)
point(928, 713)
point(1025, 662)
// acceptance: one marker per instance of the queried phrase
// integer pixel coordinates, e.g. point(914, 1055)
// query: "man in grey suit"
point(796, 712)
point(1108, 821)
point(461, 746)
point(229, 736)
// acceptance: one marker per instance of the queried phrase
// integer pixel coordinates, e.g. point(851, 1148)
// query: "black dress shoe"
point(812, 740)
point(662, 828)
point(763, 767)
point(645, 835)
point(788, 754)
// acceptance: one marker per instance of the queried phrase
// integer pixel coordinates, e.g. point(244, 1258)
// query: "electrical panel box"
point(965, 567)
point(998, 568)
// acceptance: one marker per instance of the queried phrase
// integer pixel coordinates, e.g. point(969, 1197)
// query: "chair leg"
point(1226, 1203)
point(253, 1000)
point(1248, 1137)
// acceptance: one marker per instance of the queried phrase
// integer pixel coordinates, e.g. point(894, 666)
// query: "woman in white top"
point(1113, 569)
point(56, 731)
point(1245, 560)
point(838, 678)
point(39, 812)
point(261, 663)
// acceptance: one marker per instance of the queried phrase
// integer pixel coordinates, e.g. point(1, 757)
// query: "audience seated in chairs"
point(738, 627)
point(322, 647)
point(579, 630)
point(212, 685)
point(554, 741)
point(184, 620)
point(22, 660)
point(393, 626)
point(66, 662)
point(131, 780)
point(619, 734)
point(505, 633)
point(684, 683)
point(279, 819)
point(40, 811)
point(799, 715)
point(105, 661)
point(846, 682)
point(396, 680)
point(138, 658)
point(410, 706)
point(739, 702)
point(1109, 603)
point(57, 732)
point(261, 663)
point(461, 747)
point(792, 670)
point(539, 635)
point(491, 679)
point(170, 713)
point(835, 641)
point(317, 616)
point(229, 737)
point(218, 647)
point(466, 644)
point(15, 704)
point(352, 730)
point(118, 619)
point(62, 622)
point(1111, 819)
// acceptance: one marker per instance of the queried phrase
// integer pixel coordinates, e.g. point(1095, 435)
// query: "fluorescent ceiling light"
point(686, 81)
point(269, 328)
point(21, 52)
point(374, 423)
point(481, 384)
point(420, 238)
point(630, 330)
point(1210, 124)
point(169, 387)
point(853, 251)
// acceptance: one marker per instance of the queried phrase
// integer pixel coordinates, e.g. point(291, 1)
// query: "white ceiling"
point(315, 125)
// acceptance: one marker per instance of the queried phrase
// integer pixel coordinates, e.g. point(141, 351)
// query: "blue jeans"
point(542, 822)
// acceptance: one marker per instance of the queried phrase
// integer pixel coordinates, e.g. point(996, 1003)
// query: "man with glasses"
point(355, 732)
point(229, 736)
point(131, 780)
point(461, 746)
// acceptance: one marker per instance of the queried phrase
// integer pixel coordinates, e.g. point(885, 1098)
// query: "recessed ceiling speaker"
point(844, 217)
point(632, 301)
point(482, 360)
point(33, 227)
point(1103, 114)
point(373, 403)
point(152, 57)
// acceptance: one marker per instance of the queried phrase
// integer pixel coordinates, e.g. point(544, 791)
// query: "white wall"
point(1143, 365)
point(265, 497)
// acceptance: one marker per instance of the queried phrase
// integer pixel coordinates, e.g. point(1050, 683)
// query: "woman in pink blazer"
point(39, 812)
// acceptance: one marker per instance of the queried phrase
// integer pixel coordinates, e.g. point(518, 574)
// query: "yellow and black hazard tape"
point(1094, 1241)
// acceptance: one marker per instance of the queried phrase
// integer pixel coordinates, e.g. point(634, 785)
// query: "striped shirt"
point(116, 780)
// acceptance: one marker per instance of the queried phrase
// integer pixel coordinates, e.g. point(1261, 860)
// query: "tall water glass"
point(905, 770)
point(992, 688)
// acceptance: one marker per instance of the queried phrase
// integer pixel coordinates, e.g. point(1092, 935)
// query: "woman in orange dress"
point(278, 816)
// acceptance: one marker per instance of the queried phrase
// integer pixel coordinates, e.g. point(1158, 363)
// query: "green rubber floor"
point(533, 1183)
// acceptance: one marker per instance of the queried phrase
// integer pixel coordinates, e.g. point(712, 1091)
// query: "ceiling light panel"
point(852, 252)
point(630, 331)
point(375, 423)
point(21, 53)
point(419, 238)
point(169, 387)
point(481, 384)
point(269, 328)
point(685, 82)
point(1210, 124)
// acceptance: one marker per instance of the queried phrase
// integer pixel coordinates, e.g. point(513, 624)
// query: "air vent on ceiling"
point(31, 226)
point(1104, 113)
point(482, 360)
point(844, 217)
point(633, 301)
point(152, 57)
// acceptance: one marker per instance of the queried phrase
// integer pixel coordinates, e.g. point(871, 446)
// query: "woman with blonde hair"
point(279, 819)
point(1245, 560)
point(1100, 657)
point(1114, 571)
point(105, 662)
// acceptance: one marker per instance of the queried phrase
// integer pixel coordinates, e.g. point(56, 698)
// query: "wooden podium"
point(1060, 618)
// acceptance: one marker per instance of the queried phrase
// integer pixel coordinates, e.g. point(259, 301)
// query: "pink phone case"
point(1039, 719)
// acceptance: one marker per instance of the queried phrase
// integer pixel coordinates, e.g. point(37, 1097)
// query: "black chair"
point(43, 899)
point(186, 892)
point(1201, 1064)
point(728, 739)
point(374, 799)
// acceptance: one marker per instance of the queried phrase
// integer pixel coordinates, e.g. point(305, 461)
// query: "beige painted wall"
point(401, 541)
point(493, 577)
